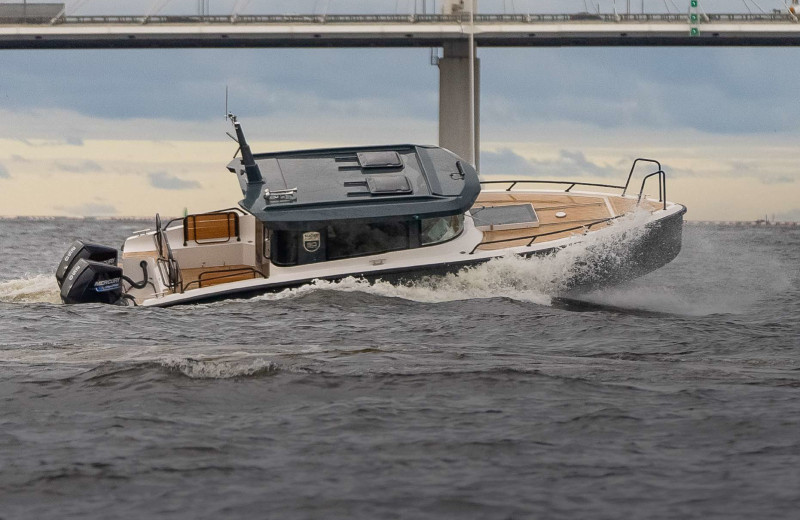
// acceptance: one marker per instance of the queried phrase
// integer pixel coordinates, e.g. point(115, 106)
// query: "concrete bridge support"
point(455, 115)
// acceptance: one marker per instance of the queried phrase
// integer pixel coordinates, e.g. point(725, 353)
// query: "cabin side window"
point(346, 240)
point(437, 230)
point(283, 247)
point(343, 239)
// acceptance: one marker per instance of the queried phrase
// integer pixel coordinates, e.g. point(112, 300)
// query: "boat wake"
point(30, 289)
point(535, 280)
point(92, 364)
point(195, 368)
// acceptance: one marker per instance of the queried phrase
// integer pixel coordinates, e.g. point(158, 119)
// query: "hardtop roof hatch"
point(301, 189)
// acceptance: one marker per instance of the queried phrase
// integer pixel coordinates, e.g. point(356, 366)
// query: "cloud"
point(793, 215)
point(574, 164)
point(740, 169)
point(65, 141)
point(90, 209)
point(79, 167)
point(19, 158)
point(4, 172)
point(778, 179)
point(716, 90)
point(282, 80)
point(568, 164)
point(165, 181)
point(721, 90)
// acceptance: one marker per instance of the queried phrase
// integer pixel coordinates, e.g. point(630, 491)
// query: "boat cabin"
point(330, 204)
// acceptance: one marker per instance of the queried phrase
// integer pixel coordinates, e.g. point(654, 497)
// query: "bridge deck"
point(396, 30)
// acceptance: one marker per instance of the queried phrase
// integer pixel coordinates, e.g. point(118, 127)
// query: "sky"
point(135, 132)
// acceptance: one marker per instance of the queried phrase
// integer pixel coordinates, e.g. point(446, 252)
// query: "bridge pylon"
point(459, 80)
point(455, 116)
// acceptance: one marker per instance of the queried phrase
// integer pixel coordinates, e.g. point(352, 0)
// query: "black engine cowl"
point(83, 250)
point(92, 282)
point(88, 273)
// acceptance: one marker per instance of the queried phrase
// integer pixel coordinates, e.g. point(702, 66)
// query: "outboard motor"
point(88, 273)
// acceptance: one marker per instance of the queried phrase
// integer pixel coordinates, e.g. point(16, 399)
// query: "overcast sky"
point(138, 131)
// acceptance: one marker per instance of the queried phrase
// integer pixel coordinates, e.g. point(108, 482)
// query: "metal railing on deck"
point(533, 238)
point(662, 197)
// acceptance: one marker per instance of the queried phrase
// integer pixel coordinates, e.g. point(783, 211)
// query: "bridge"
point(455, 28)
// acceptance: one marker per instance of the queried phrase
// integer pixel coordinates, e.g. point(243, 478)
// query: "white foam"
point(535, 279)
point(218, 369)
point(31, 289)
point(713, 275)
point(224, 362)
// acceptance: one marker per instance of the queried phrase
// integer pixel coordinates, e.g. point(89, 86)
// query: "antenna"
point(248, 161)
point(227, 114)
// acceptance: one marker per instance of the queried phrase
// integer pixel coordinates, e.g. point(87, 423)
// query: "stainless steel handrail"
point(533, 238)
point(662, 197)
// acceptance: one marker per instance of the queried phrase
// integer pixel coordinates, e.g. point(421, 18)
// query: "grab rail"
point(536, 181)
point(662, 188)
point(662, 197)
point(533, 238)
point(633, 167)
point(224, 274)
point(207, 228)
point(662, 182)
point(240, 212)
point(173, 270)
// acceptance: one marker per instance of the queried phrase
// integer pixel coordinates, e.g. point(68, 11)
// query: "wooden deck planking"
point(580, 210)
point(215, 275)
point(140, 254)
point(621, 205)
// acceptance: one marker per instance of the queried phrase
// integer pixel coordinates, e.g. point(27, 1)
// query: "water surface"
point(475, 396)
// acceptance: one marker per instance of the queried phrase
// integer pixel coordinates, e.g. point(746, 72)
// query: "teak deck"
point(207, 276)
point(580, 209)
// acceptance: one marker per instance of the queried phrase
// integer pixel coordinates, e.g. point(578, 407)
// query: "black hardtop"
point(302, 189)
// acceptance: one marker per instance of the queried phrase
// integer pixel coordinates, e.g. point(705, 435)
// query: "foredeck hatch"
point(498, 218)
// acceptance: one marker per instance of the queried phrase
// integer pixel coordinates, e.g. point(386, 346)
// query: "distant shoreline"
point(727, 223)
point(54, 217)
point(744, 223)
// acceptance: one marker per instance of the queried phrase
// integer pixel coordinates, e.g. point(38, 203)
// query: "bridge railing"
point(778, 17)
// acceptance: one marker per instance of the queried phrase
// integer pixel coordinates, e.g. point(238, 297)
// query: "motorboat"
point(394, 213)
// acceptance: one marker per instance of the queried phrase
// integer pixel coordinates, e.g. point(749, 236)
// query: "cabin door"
point(262, 248)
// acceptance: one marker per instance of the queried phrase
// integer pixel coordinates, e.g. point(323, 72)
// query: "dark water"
point(472, 397)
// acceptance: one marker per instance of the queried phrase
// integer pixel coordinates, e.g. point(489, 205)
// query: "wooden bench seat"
point(209, 276)
point(211, 228)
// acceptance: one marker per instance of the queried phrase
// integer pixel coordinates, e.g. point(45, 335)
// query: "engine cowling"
point(92, 282)
point(88, 273)
point(87, 251)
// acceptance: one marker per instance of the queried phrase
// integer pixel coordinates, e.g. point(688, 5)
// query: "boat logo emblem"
point(311, 241)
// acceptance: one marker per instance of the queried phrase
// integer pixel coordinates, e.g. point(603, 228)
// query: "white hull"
point(449, 256)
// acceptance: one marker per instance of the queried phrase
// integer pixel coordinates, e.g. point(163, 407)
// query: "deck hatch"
point(499, 218)
point(382, 159)
point(388, 185)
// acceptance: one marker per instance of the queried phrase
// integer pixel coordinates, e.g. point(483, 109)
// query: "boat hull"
point(658, 244)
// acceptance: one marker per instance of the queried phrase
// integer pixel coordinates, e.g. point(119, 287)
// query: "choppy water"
point(472, 397)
